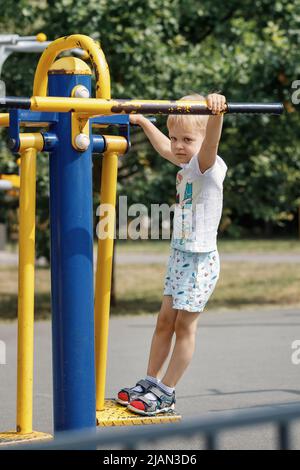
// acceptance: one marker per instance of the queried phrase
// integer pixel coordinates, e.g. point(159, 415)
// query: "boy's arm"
point(159, 141)
point(209, 148)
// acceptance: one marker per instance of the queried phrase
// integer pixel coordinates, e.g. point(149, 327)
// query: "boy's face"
point(185, 142)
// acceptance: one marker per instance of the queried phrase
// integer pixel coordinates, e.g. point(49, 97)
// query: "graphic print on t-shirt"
point(185, 208)
point(198, 208)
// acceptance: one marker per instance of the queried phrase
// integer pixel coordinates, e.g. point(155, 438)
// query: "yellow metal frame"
point(115, 146)
point(31, 140)
point(99, 107)
point(29, 145)
point(13, 179)
point(26, 291)
point(103, 276)
point(4, 119)
point(94, 52)
point(80, 125)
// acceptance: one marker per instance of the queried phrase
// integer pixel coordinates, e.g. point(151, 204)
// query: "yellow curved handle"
point(94, 52)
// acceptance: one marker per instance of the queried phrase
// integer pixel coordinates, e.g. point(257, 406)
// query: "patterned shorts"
point(191, 278)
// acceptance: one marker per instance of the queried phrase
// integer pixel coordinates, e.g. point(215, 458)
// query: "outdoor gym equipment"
point(79, 320)
point(11, 43)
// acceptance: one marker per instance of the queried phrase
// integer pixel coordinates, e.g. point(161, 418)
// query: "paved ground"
point(242, 362)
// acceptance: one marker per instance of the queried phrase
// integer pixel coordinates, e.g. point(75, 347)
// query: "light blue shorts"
point(191, 278)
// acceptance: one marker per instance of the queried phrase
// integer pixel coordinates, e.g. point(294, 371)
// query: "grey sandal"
point(144, 406)
point(126, 395)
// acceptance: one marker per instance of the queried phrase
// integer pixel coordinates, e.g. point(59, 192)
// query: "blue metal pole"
point(71, 269)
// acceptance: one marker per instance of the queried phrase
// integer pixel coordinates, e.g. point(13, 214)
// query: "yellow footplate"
point(13, 437)
point(118, 415)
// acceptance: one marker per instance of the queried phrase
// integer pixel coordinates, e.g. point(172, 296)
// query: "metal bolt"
point(11, 143)
point(81, 92)
point(82, 141)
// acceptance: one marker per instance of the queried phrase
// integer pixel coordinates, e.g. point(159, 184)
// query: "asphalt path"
point(242, 361)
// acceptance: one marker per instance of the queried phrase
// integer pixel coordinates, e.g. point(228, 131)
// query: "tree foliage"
point(165, 49)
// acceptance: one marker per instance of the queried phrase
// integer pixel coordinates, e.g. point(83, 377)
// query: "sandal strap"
point(158, 392)
point(143, 383)
point(145, 400)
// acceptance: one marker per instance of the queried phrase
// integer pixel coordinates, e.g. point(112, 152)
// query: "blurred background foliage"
point(165, 49)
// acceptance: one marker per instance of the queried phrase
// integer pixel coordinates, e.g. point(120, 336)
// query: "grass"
point(251, 245)
point(9, 294)
point(242, 285)
point(290, 245)
point(139, 288)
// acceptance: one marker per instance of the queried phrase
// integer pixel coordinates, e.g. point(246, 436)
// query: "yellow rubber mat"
point(118, 415)
point(12, 437)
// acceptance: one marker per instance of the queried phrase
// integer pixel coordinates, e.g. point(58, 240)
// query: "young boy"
point(193, 267)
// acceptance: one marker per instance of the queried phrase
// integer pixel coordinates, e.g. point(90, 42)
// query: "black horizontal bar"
point(255, 108)
point(179, 107)
point(12, 102)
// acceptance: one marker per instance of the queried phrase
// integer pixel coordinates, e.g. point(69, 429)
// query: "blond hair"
point(188, 121)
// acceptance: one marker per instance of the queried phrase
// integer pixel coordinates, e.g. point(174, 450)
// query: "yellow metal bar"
point(116, 143)
point(96, 106)
point(4, 119)
point(4, 122)
point(26, 271)
point(103, 275)
point(13, 179)
point(31, 140)
point(86, 43)
point(26, 291)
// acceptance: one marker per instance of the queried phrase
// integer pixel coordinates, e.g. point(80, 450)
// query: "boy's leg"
point(162, 337)
point(185, 330)
point(160, 347)
point(153, 402)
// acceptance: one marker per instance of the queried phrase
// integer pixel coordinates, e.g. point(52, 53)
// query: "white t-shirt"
point(199, 203)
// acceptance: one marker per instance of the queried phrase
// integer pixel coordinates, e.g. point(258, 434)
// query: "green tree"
point(167, 48)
